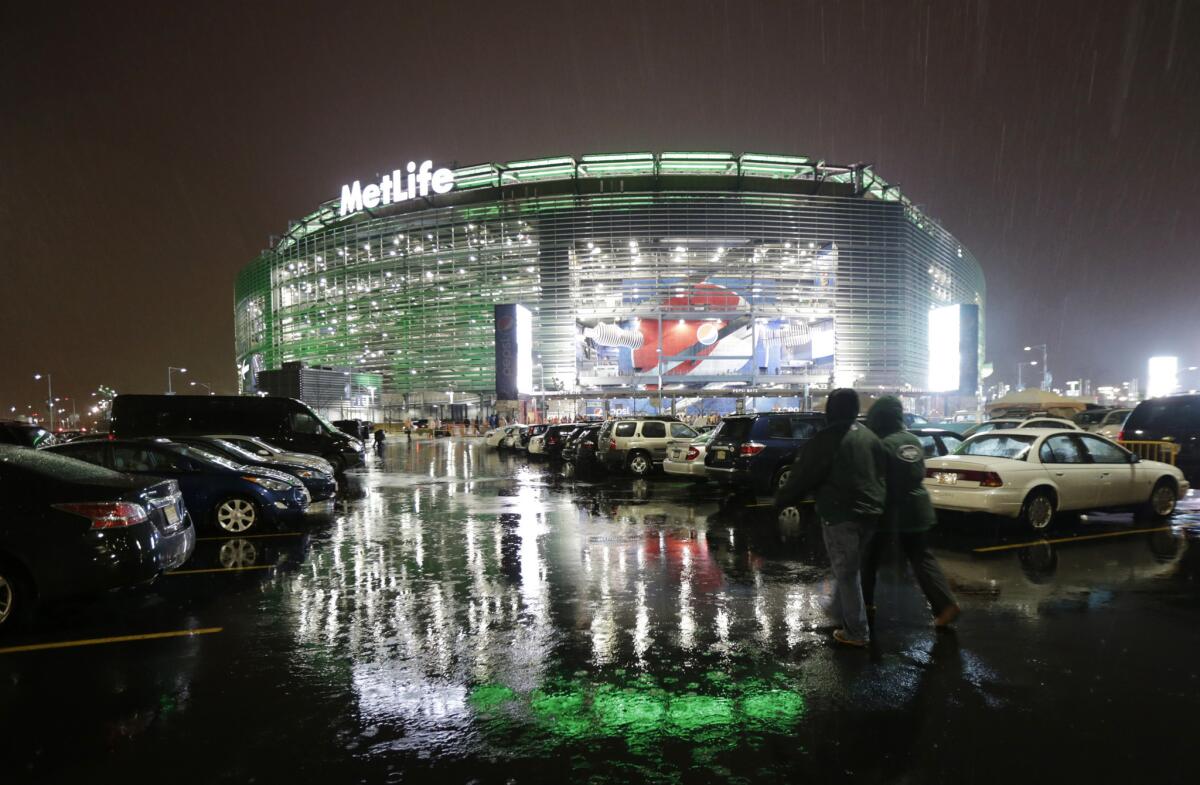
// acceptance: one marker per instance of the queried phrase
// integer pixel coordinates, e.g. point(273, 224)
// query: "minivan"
point(284, 422)
point(1175, 418)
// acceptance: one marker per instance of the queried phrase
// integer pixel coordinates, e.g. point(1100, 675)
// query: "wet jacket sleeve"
point(811, 467)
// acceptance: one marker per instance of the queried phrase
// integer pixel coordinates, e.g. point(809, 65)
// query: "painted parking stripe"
point(148, 636)
point(250, 536)
point(222, 569)
point(1061, 540)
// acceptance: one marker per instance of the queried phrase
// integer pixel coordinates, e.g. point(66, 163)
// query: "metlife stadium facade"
point(676, 271)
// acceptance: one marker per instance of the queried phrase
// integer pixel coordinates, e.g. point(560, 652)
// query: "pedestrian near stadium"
point(908, 514)
point(843, 468)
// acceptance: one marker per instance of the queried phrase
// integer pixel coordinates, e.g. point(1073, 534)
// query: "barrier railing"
point(1165, 452)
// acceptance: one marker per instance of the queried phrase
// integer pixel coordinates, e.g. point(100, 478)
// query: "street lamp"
point(1045, 363)
point(205, 385)
point(49, 396)
point(1020, 367)
point(171, 368)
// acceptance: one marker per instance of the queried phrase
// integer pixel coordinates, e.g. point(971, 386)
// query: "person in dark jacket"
point(908, 513)
point(843, 468)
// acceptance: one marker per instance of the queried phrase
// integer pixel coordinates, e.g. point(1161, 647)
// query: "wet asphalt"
point(460, 615)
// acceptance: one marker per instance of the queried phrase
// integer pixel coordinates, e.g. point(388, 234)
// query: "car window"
point(681, 431)
point(1104, 452)
point(779, 428)
point(803, 429)
point(303, 422)
point(998, 446)
point(131, 458)
point(654, 429)
point(1062, 449)
point(929, 446)
point(625, 428)
point(735, 428)
point(92, 452)
point(951, 442)
point(1115, 418)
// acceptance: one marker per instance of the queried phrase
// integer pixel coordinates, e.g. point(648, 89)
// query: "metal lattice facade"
point(408, 291)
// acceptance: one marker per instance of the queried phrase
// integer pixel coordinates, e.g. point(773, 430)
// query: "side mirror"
point(1135, 458)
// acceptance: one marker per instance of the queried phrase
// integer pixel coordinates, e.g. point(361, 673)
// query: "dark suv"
point(756, 451)
point(1172, 419)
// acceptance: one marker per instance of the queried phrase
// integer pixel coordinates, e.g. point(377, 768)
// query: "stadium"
point(697, 274)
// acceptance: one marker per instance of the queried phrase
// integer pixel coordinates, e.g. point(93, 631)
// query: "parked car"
point(687, 459)
point(938, 441)
point(1089, 419)
point(580, 448)
point(756, 451)
point(1114, 420)
point(1034, 473)
point(554, 438)
point(496, 436)
point(284, 422)
point(321, 485)
point(25, 435)
point(528, 434)
point(638, 444)
point(1008, 423)
point(359, 429)
point(264, 449)
point(230, 497)
point(512, 436)
point(1175, 419)
point(69, 528)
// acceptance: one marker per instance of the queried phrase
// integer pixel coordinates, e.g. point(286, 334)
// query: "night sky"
point(148, 151)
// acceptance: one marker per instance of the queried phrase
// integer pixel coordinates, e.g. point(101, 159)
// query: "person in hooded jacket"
point(843, 468)
point(908, 513)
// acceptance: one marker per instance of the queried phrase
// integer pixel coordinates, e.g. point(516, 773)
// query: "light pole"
point(1020, 367)
point(1045, 363)
point(169, 369)
point(49, 396)
point(205, 385)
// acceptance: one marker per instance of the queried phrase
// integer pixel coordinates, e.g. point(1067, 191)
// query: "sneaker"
point(841, 637)
point(947, 616)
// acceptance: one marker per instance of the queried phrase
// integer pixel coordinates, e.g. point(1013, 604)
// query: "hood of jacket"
point(841, 406)
point(886, 416)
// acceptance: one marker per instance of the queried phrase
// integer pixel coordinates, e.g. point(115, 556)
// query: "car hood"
point(274, 474)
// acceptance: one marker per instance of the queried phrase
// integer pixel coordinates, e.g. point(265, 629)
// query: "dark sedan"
point(231, 497)
point(321, 485)
point(68, 527)
point(580, 448)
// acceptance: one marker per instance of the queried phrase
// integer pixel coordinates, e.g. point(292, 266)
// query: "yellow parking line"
point(222, 569)
point(250, 536)
point(1060, 540)
point(148, 636)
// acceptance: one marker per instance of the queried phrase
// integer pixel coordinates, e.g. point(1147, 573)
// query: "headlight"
point(269, 484)
point(307, 474)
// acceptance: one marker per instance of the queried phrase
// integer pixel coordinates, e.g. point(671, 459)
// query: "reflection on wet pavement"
point(469, 615)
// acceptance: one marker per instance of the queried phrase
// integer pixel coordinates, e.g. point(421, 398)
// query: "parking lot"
point(458, 606)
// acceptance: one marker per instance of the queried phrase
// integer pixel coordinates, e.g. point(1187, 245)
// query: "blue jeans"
point(846, 543)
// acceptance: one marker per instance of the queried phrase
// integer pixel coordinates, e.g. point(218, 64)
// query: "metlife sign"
point(399, 186)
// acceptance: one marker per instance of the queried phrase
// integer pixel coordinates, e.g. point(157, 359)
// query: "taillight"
point(692, 454)
point(751, 448)
point(551, 440)
point(985, 479)
point(106, 515)
point(612, 444)
point(1121, 435)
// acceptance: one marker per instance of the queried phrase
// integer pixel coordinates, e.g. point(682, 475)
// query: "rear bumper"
point(685, 468)
point(115, 558)
point(997, 501)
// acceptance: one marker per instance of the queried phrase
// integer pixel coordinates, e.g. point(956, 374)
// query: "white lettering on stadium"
point(396, 187)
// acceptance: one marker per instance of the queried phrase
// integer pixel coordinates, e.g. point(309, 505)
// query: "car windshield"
point(704, 438)
point(1014, 446)
point(49, 465)
point(253, 445)
point(237, 450)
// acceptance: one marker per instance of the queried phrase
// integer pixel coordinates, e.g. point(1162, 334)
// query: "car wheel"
point(781, 477)
point(640, 464)
point(1038, 510)
point(1162, 499)
point(338, 463)
point(790, 516)
point(236, 515)
point(237, 553)
point(15, 597)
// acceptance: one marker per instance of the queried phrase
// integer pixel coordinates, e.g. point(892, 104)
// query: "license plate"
point(947, 478)
point(172, 514)
point(720, 455)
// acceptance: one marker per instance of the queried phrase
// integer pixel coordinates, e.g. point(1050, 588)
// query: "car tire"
point(16, 597)
point(338, 463)
point(781, 477)
point(237, 515)
point(1038, 510)
point(640, 463)
point(1162, 499)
